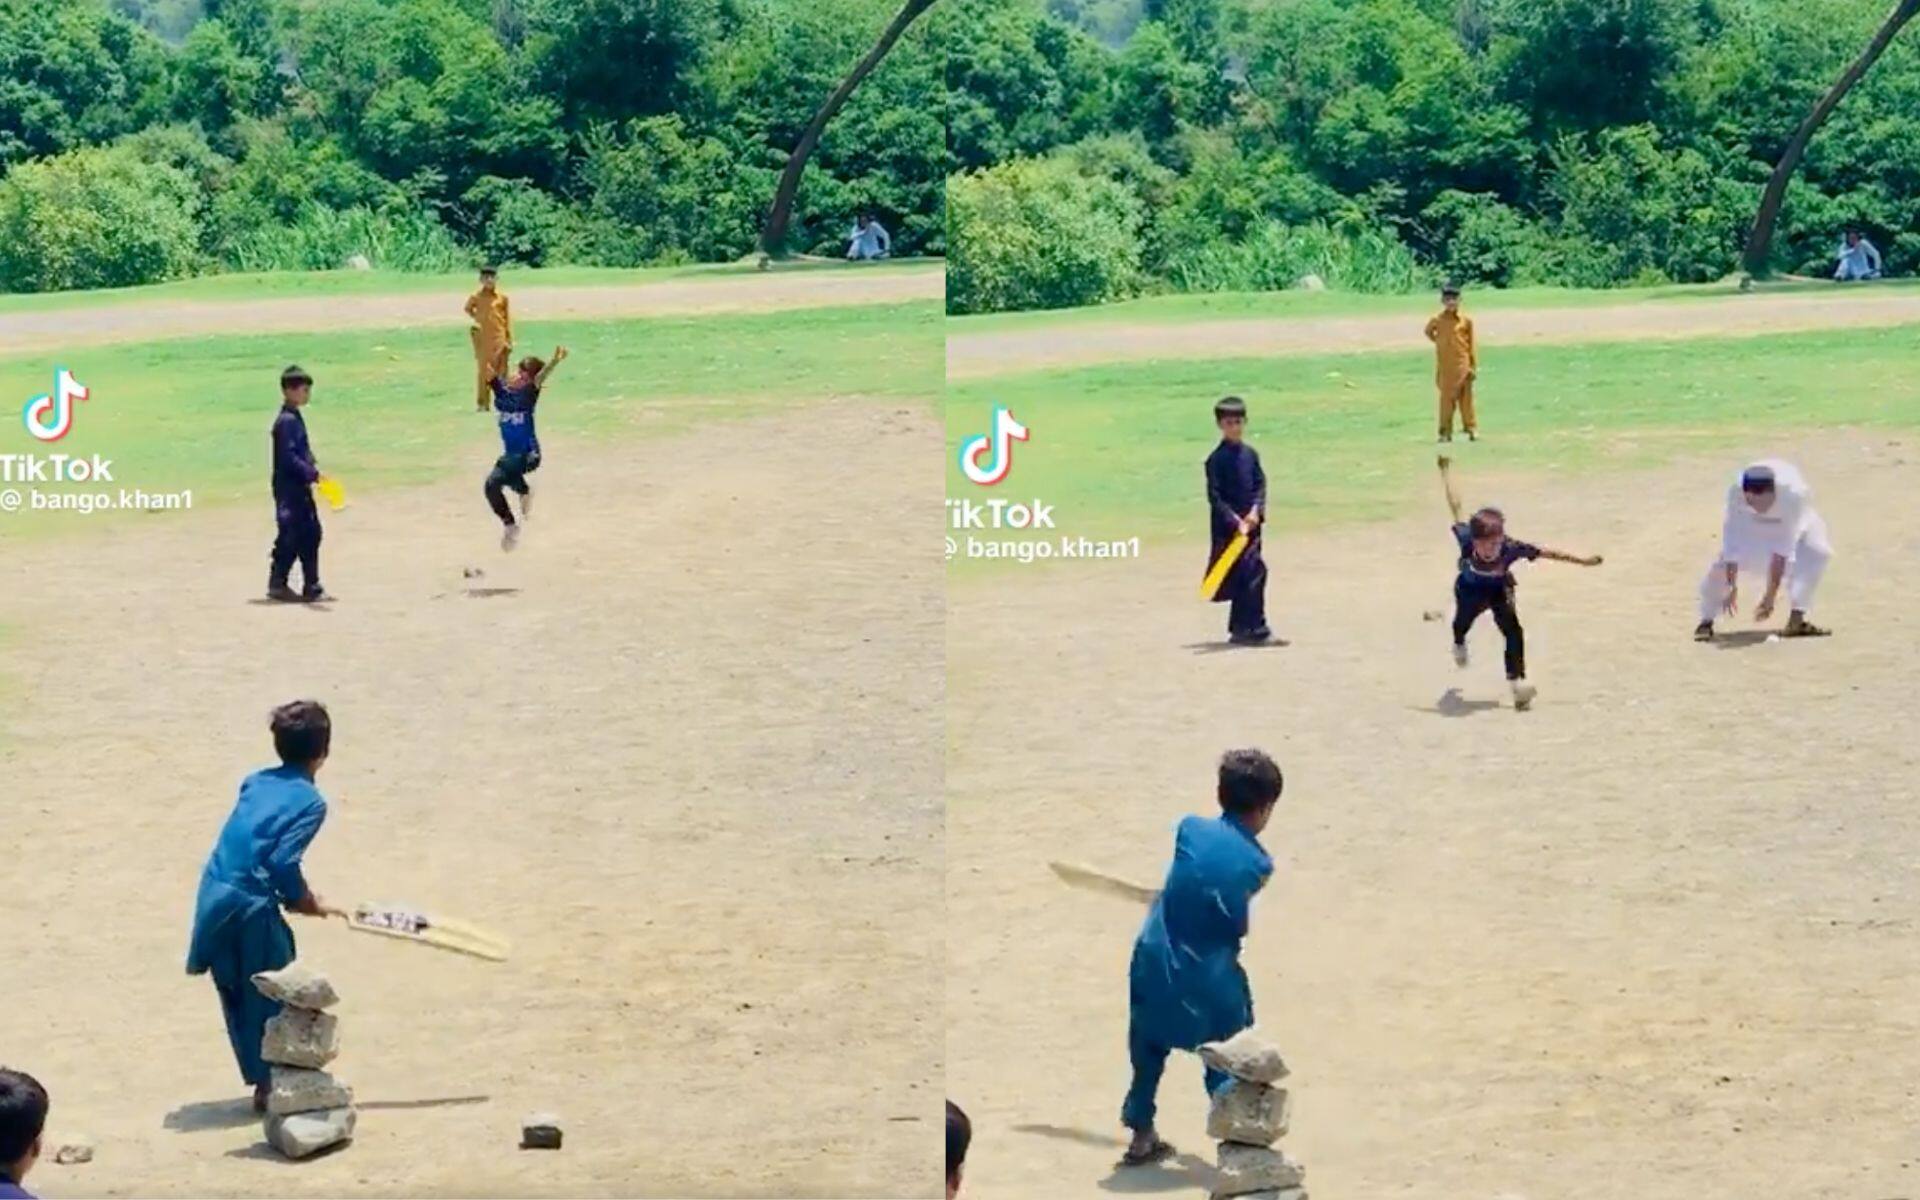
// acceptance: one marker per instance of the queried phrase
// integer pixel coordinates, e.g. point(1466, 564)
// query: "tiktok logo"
point(994, 446)
point(49, 417)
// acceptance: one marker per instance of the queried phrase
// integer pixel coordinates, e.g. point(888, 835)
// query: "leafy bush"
point(96, 217)
point(1274, 256)
point(512, 221)
point(1038, 234)
point(662, 193)
point(324, 239)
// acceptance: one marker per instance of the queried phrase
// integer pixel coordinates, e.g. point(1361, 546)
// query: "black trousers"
point(510, 471)
point(1470, 602)
point(298, 537)
point(1245, 587)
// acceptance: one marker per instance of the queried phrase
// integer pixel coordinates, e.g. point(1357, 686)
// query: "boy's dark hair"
point(1449, 288)
point(1229, 406)
point(487, 269)
point(1249, 781)
point(294, 377)
point(23, 1114)
point(532, 365)
point(302, 732)
point(1487, 522)
point(1757, 479)
point(959, 1137)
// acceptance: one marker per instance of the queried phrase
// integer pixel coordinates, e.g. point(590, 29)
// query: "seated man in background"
point(868, 240)
point(1859, 259)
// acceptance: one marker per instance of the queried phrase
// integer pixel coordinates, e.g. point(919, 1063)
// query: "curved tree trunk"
point(1760, 240)
point(773, 238)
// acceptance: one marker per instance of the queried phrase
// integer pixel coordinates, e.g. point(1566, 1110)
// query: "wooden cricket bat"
point(1210, 586)
point(436, 933)
point(1094, 880)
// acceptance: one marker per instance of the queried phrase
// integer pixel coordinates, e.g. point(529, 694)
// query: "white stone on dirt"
point(297, 1135)
point(74, 1150)
point(1250, 1170)
point(301, 1037)
point(1252, 1114)
point(1246, 1055)
point(296, 1090)
point(300, 986)
point(1276, 1194)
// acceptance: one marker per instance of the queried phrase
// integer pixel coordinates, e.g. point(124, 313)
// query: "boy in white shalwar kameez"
point(1771, 527)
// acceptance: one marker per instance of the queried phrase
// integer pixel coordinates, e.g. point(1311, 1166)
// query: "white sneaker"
point(1523, 694)
point(1459, 654)
point(526, 505)
point(510, 538)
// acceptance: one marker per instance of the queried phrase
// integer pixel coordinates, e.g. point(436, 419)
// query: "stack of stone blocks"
point(1249, 1117)
point(308, 1110)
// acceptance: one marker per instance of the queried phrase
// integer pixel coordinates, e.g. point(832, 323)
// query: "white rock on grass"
point(1246, 1055)
point(302, 987)
point(299, 1134)
point(1249, 1170)
point(1250, 1113)
point(297, 1090)
point(1311, 283)
point(301, 1037)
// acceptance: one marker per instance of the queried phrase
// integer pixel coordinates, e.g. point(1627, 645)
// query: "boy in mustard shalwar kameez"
point(492, 334)
point(1456, 363)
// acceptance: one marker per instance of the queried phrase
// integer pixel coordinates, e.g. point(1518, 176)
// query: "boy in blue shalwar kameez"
point(253, 871)
point(1186, 985)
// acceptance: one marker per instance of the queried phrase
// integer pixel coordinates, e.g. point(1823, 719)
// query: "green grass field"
point(394, 407)
point(1227, 306)
point(1118, 450)
point(285, 285)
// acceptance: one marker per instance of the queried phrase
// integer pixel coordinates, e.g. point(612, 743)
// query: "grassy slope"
point(395, 407)
point(296, 284)
point(1118, 449)
point(1238, 305)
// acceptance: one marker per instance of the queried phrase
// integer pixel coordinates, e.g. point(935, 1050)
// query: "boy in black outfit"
point(295, 514)
point(1485, 583)
point(1237, 503)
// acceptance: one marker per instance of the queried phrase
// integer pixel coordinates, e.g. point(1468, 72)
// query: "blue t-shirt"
point(1186, 985)
point(515, 408)
point(1477, 572)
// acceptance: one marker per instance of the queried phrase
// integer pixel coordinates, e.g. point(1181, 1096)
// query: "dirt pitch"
point(1656, 938)
point(682, 748)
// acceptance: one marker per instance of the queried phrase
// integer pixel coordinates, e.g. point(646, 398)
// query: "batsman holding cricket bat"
point(1237, 503)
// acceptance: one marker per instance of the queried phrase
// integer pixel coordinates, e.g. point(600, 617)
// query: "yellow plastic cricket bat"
point(1094, 880)
point(436, 933)
point(1210, 586)
point(335, 495)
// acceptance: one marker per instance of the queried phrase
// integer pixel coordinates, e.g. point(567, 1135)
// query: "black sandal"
point(1159, 1152)
point(1703, 632)
point(1804, 628)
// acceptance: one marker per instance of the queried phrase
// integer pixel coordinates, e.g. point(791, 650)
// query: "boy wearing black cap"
point(1770, 526)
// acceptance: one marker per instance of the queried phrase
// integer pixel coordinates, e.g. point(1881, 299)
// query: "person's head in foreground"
point(959, 1137)
point(1250, 786)
point(302, 735)
point(1231, 416)
point(489, 276)
point(1450, 297)
point(1488, 529)
point(1756, 484)
point(23, 1118)
point(296, 387)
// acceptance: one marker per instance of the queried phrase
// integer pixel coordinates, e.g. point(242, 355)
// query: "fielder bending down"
point(1770, 527)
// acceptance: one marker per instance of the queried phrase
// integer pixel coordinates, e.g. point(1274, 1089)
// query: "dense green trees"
point(1589, 142)
point(427, 133)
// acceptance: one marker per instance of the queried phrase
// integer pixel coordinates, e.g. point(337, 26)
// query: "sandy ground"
point(1005, 352)
point(1657, 937)
point(62, 328)
point(631, 747)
